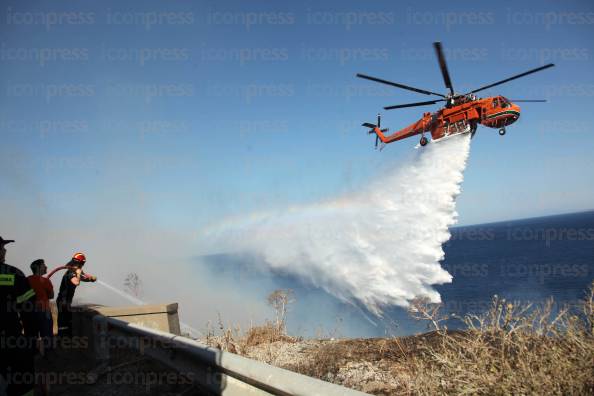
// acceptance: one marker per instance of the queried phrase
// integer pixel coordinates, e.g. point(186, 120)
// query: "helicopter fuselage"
point(461, 115)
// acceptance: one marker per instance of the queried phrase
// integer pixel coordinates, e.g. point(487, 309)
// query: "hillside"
point(512, 349)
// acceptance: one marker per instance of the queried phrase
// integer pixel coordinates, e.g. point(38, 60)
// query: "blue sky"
point(182, 113)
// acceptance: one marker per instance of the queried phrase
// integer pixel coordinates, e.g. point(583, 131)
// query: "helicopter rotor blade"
point(397, 85)
point(430, 102)
point(514, 77)
point(529, 100)
point(443, 66)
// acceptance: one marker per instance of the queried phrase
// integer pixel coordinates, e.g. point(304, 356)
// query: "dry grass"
point(266, 334)
point(512, 349)
point(232, 339)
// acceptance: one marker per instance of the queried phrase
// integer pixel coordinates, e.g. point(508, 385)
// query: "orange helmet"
point(79, 257)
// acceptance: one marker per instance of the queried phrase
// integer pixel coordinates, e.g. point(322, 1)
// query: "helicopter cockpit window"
point(504, 102)
point(495, 103)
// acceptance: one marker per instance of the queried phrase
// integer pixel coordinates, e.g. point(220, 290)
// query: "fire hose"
point(86, 277)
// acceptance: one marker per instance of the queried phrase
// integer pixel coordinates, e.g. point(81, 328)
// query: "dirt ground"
point(372, 365)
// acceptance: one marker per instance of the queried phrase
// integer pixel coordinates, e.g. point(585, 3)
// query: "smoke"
point(378, 247)
point(117, 222)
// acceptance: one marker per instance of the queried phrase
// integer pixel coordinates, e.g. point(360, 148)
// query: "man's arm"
point(24, 291)
point(75, 279)
point(87, 278)
point(49, 289)
point(24, 298)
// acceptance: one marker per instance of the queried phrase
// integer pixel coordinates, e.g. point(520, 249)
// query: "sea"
point(529, 260)
point(532, 259)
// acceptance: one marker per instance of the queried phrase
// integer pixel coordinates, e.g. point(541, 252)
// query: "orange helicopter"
point(461, 114)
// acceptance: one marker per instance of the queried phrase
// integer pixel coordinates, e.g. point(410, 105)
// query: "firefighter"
point(71, 279)
point(42, 324)
point(16, 352)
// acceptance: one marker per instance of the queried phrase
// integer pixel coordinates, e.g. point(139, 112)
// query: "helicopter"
point(462, 113)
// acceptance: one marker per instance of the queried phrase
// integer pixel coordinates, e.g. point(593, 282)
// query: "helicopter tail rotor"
point(372, 130)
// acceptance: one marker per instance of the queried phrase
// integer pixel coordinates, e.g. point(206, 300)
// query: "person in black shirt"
point(71, 279)
point(16, 353)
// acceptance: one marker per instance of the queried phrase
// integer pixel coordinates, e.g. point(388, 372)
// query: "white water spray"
point(378, 247)
point(129, 297)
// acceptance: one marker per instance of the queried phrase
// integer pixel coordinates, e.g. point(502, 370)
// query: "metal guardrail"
point(212, 370)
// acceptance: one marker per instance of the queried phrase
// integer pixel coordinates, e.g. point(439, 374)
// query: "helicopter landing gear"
point(423, 142)
point(502, 131)
point(473, 127)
